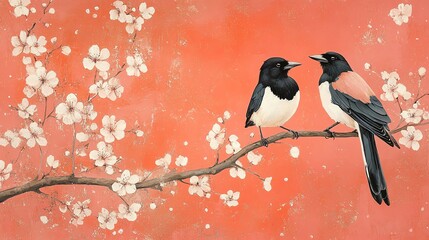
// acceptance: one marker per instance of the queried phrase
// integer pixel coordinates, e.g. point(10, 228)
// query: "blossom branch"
point(155, 183)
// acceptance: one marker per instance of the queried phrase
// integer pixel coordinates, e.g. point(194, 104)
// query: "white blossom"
point(33, 134)
point(106, 219)
point(119, 13)
point(226, 115)
point(412, 115)
point(146, 12)
point(135, 65)
point(111, 89)
point(199, 186)
point(422, 71)
point(70, 110)
point(20, 7)
point(254, 158)
point(411, 137)
point(237, 171)
point(43, 81)
point(181, 161)
point(104, 156)
point(37, 45)
point(392, 89)
point(401, 14)
point(216, 136)
point(81, 209)
point(88, 112)
point(129, 212)
point(230, 198)
point(66, 50)
point(134, 24)
point(126, 184)
point(10, 137)
point(4, 171)
point(25, 110)
point(112, 129)
point(233, 146)
point(51, 162)
point(20, 44)
point(294, 152)
point(267, 184)
point(97, 58)
point(76, 221)
point(164, 161)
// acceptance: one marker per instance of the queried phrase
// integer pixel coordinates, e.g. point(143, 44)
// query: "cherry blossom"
point(216, 136)
point(422, 71)
point(10, 137)
point(181, 161)
point(164, 161)
point(294, 152)
point(412, 115)
point(43, 81)
point(199, 186)
point(392, 89)
point(134, 24)
point(126, 184)
point(411, 137)
point(20, 44)
point(119, 13)
point(112, 129)
point(88, 112)
point(37, 45)
point(401, 14)
point(33, 134)
point(129, 212)
point(254, 158)
point(51, 162)
point(233, 146)
point(4, 171)
point(81, 209)
point(106, 219)
point(97, 87)
point(89, 131)
point(97, 58)
point(104, 156)
point(112, 89)
point(146, 12)
point(20, 7)
point(66, 50)
point(230, 198)
point(267, 184)
point(76, 221)
point(226, 115)
point(25, 110)
point(237, 171)
point(135, 65)
point(70, 110)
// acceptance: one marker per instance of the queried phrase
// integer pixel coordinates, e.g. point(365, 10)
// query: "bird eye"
point(333, 58)
point(278, 65)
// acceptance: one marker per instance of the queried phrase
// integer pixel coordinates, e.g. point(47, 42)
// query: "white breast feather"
point(274, 111)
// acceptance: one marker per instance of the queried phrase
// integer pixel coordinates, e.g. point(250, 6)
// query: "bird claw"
point(295, 134)
point(264, 142)
point(330, 134)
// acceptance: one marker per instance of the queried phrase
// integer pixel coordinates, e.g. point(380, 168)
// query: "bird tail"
point(374, 173)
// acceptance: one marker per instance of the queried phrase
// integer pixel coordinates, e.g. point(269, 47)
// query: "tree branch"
point(155, 183)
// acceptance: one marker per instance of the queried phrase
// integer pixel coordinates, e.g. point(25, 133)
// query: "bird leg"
point(295, 134)
point(263, 140)
point(328, 130)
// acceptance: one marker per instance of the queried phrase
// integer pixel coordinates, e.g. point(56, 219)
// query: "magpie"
point(349, 100)
point(275, 98)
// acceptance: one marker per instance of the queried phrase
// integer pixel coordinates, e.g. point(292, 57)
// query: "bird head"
point(332, 63)
point(277, 66)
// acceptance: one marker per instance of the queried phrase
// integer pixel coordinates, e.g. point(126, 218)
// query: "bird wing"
point(255, 103)
point(355, 97)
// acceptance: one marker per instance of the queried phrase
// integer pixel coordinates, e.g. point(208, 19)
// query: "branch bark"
point(155, 183)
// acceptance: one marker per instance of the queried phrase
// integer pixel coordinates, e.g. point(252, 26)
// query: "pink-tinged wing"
point(353, 95)
point(354, 85)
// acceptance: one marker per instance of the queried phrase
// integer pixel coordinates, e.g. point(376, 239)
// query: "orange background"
point(203, 58)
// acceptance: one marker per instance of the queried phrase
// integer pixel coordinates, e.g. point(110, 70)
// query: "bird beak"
point(319, 58)
point(291, 65)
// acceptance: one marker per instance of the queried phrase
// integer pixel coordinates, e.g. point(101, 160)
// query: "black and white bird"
point(349, 100)
point(276, 97)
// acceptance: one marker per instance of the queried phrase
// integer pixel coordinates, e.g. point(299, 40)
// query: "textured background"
point(204, 58)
